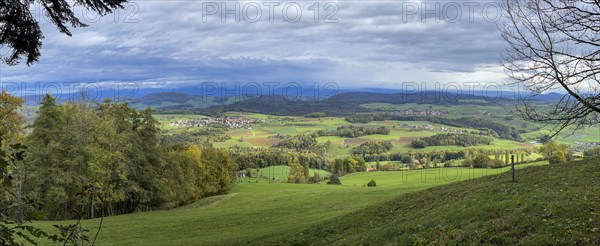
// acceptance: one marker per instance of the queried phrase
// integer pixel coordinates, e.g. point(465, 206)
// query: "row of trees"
point(300, 173)
point(374, 147)
point(441, 156)
point(502, 130)
point(349, 164)
point(352, 131)
point(189, 174)
point(482, 161)
point(551, 151)
point(108, 159)
point(302, 142)
point(246, 158)
point(444, 139)
point(110, 150)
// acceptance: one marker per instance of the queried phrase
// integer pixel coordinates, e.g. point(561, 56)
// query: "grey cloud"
point(171, 43)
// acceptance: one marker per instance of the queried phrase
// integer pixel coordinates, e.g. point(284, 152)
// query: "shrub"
point(558, 158)
point(372, 183)
point(419, 144)
point(592, 152)
point(496, 163)
point(481, 161)
point(334, 180)
point(386, 167)
point(314, 179)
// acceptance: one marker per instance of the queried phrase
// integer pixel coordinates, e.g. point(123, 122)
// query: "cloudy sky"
point(352, 43)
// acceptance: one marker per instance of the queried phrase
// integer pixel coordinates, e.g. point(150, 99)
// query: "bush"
point(558, 158)
point(314, 179)
point(386, 167)
point(481, 161)
point(592, 152)
point(372, 183)
point(496, 163)
point(334, 180)
point(419, 144)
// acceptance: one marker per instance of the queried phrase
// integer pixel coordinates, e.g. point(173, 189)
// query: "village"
point(430, 127)
point(582, 146)
point(415, 112)
point(220, 122)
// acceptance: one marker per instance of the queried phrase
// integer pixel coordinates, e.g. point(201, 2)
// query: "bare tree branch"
point(555, 45)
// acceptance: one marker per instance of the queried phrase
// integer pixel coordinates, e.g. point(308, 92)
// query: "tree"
point(334, 180)
point(418, 143)
point(555, 153)
point(407, 159)
point(46, 181)
point(553, 44)
point(558, 157)
point(545, 138)
point(13, 209)
point(11, 121)
point(481, 161)
point(296, 174)
point(21, 32)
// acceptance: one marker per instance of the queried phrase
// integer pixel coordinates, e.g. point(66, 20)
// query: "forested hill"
point(424, 97)
point(158, 98)
point(338, 105)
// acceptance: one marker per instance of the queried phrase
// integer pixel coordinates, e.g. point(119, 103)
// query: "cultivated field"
point(402, 133)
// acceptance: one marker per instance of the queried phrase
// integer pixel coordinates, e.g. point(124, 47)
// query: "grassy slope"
point(557, 204)
point(262, 210)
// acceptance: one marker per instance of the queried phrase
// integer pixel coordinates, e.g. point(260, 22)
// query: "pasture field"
point(552, 204)
point(258, 210)
point(587, 134)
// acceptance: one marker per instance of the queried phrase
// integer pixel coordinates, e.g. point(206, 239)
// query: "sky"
point(355, 44)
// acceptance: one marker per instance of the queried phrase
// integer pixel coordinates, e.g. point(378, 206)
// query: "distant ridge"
point(157, 98)
point(337, 105)
point(173, 97)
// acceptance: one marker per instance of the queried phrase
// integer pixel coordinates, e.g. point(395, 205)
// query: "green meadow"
point(547, 205)
point(257, 208)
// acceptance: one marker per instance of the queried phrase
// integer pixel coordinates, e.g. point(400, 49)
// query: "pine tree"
point(45, 150)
